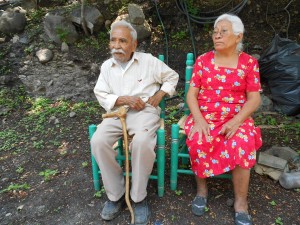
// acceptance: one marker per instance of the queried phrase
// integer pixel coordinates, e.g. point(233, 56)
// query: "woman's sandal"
point(242, 218)
point(199, 205)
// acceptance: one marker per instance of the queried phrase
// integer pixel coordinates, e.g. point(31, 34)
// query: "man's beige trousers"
point(142, 125)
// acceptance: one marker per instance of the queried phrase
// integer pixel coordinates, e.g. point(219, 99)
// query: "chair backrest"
point(162, 103)
point(188, 74)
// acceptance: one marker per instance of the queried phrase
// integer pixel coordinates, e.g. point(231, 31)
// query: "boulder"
point(136, 14)
point(12, 20)
point(60, 29)
point(92, 15)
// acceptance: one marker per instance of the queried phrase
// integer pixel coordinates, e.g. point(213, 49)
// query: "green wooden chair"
point(179, 153)
point(158, 172)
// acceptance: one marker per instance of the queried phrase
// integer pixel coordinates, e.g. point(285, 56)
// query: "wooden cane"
point(121, 114)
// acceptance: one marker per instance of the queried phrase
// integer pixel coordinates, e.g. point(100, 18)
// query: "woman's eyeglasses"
point(222, 33)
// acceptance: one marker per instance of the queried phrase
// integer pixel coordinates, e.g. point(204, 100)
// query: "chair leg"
point(120, 148)
point(174, 156)
point(161, 155)
point(95, 168)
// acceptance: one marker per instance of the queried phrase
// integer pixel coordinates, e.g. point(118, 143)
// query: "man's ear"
point(135, 44)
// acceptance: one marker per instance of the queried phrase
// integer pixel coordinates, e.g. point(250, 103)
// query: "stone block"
point(282, 152)
point(272, 161)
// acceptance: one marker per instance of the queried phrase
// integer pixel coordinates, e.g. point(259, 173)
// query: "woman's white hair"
point(237, 26)
point(123, 23)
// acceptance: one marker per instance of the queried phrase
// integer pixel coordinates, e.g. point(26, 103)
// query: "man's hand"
point(135, 103)
point(156, 99)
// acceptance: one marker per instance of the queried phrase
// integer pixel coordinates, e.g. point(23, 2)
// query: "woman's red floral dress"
point(222, 95)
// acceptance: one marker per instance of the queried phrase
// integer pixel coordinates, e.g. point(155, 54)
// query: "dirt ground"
point(32, 146)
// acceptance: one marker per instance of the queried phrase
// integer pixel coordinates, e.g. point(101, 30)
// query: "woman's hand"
point(230, 128)
point(202, 128)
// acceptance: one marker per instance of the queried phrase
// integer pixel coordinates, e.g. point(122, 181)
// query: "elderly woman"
point(223, 93)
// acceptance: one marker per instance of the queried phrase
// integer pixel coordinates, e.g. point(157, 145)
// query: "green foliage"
point(273, 203)
point(62, 33)
point(12, 98)
point(10, 139)
point(192, 8)
point(16, 187)
point(36, 16)
point(38, 144)
point(32, 128)
point(28, 50)
point(278, 221)
point(265, 120)
point(94, 42)
point(48, 174)
point(5, 66)
point(84, 164)
point(20, 170)
point(179, 36)
point(178, 192)
point(99, 194)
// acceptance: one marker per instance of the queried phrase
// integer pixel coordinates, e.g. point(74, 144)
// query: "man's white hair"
point(237, 26)
point(123, 23)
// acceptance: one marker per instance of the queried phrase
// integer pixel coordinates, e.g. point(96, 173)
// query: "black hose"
point(210, 19)
point(165, 33)
point(190, 29)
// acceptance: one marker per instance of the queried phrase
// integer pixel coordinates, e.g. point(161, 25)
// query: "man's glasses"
point(222, 33)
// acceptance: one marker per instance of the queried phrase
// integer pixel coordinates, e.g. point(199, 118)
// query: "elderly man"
point(140, 81)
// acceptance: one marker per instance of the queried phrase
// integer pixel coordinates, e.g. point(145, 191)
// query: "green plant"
point(178, 192)
point(28, 50)
point(273, 203)
point(38, 144)
point(278, 220)
point(48, 174)
point(180, 35)
point(16, 187)
point(99, 194)
point(5, 66)
point(62, 33)
point(85, 164)
point(20, 170)
point(192, 8)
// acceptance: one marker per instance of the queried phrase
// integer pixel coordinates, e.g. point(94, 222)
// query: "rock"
point(60, 29)
point(72, 114)
point(92, 16)
point(266, 104)
point(272, 161)
point(95, 68)
point(12, 21)
point(269, 171)
point(15, 39)
point(24, 40)
point(44, 55)
point(283, 152)
point(290, 180)
point(143, 31)
point(257, 56)
point(52, 119)
point(64, 47)
point(107, 24)
point(136, 15)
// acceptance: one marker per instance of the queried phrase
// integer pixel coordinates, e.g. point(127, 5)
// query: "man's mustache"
point(117, 51)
